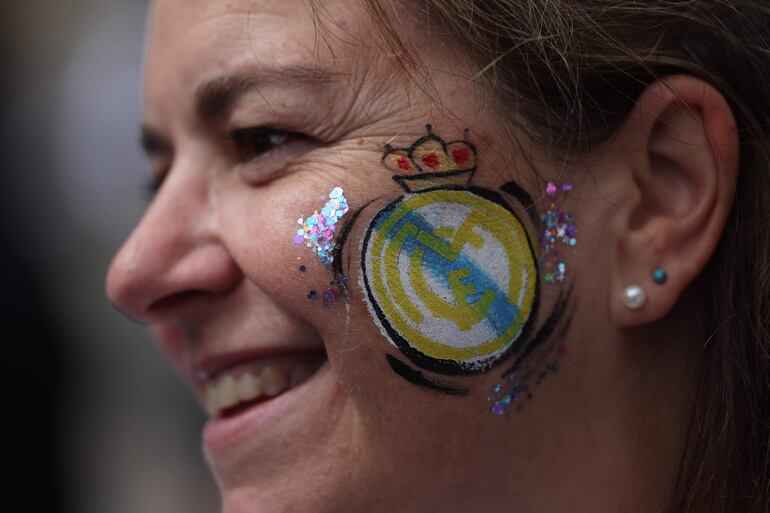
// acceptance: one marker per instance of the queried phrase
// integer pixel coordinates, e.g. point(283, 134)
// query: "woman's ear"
point(681, 163)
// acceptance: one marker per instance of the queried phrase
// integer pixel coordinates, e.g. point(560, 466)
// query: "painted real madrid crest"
point(448, 268)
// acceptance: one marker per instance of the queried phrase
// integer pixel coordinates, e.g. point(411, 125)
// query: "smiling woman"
point(459, 256)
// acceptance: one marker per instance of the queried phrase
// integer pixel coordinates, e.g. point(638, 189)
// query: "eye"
point(264, 153)
point(160, 152)
point(255, 142)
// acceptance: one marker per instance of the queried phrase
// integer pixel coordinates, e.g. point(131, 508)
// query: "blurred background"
point(98, 422)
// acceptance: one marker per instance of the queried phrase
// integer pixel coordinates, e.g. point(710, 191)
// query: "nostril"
point(177, 301)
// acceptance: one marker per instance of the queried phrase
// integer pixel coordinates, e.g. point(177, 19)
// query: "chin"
point(277, 455)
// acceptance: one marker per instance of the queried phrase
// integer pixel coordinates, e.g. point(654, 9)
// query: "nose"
point(174, 262)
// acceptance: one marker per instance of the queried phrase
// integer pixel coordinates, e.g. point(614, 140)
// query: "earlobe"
point(680, 192)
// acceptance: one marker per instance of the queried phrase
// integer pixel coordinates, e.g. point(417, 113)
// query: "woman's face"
point(428, 311)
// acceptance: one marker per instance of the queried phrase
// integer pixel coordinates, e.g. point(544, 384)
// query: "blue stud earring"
point(659, 276)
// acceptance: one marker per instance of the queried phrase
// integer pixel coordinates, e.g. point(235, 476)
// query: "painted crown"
point(430, 158)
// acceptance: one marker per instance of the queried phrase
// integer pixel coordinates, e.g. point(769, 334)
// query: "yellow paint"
point(406, 317)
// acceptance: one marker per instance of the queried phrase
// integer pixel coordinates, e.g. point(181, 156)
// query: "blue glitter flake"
point(317, 230)
point(559, 228)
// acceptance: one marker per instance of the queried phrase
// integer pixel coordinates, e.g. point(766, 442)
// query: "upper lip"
point(208, 367)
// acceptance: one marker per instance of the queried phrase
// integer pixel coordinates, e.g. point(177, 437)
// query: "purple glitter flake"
point(501, 405)
point(518, 387)
point(317, 230)
point(559, 228)
point(332, 293)
point(329, 297)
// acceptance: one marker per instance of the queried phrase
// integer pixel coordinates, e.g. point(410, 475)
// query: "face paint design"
point(449, 270)
point(431, 158)
point(451, 278)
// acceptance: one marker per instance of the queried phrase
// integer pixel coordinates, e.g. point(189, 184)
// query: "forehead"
point(201, 28)
point(193, 41)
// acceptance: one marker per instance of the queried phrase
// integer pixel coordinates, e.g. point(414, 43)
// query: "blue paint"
point(501, 315)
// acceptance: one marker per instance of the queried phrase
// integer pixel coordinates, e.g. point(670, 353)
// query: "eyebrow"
point(216, 97)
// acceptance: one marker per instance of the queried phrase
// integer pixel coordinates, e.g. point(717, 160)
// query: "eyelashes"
point(254, 143)
point(264, 153)
point(260, 152)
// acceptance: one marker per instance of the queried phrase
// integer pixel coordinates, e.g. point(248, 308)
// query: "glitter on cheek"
point(334, 291)
point(317, 231)
point(559, 228)
point(329, 296)
point(518, 387)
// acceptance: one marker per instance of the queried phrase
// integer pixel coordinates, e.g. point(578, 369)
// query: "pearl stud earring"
point(634, 297)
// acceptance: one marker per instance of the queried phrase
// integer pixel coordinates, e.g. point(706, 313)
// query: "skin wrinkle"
point(218, 96)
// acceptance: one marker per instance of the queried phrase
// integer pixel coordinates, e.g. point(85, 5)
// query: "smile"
point(242, 385)
point(251, 398)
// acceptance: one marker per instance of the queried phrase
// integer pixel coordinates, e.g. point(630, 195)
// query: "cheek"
point(283, 238)
point(261, 231)
point(256, 226)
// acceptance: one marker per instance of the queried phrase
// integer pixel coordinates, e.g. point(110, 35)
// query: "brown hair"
point(573, 70)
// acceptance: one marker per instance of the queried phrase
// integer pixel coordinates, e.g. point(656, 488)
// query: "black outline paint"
point(545, 331)
point(525, 346)
point(403, 180)
point(441, 366)
point(416, 378)
point(420, 173)
point(339, 247)
point(523, 197)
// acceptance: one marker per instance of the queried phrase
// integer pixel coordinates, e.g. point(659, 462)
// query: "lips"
point(252, 382)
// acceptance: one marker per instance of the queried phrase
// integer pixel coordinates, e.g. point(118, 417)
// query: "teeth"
point(273, 381)
point(229, 390)
point(248, 387)
point(212, 400)
point(226, 395)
